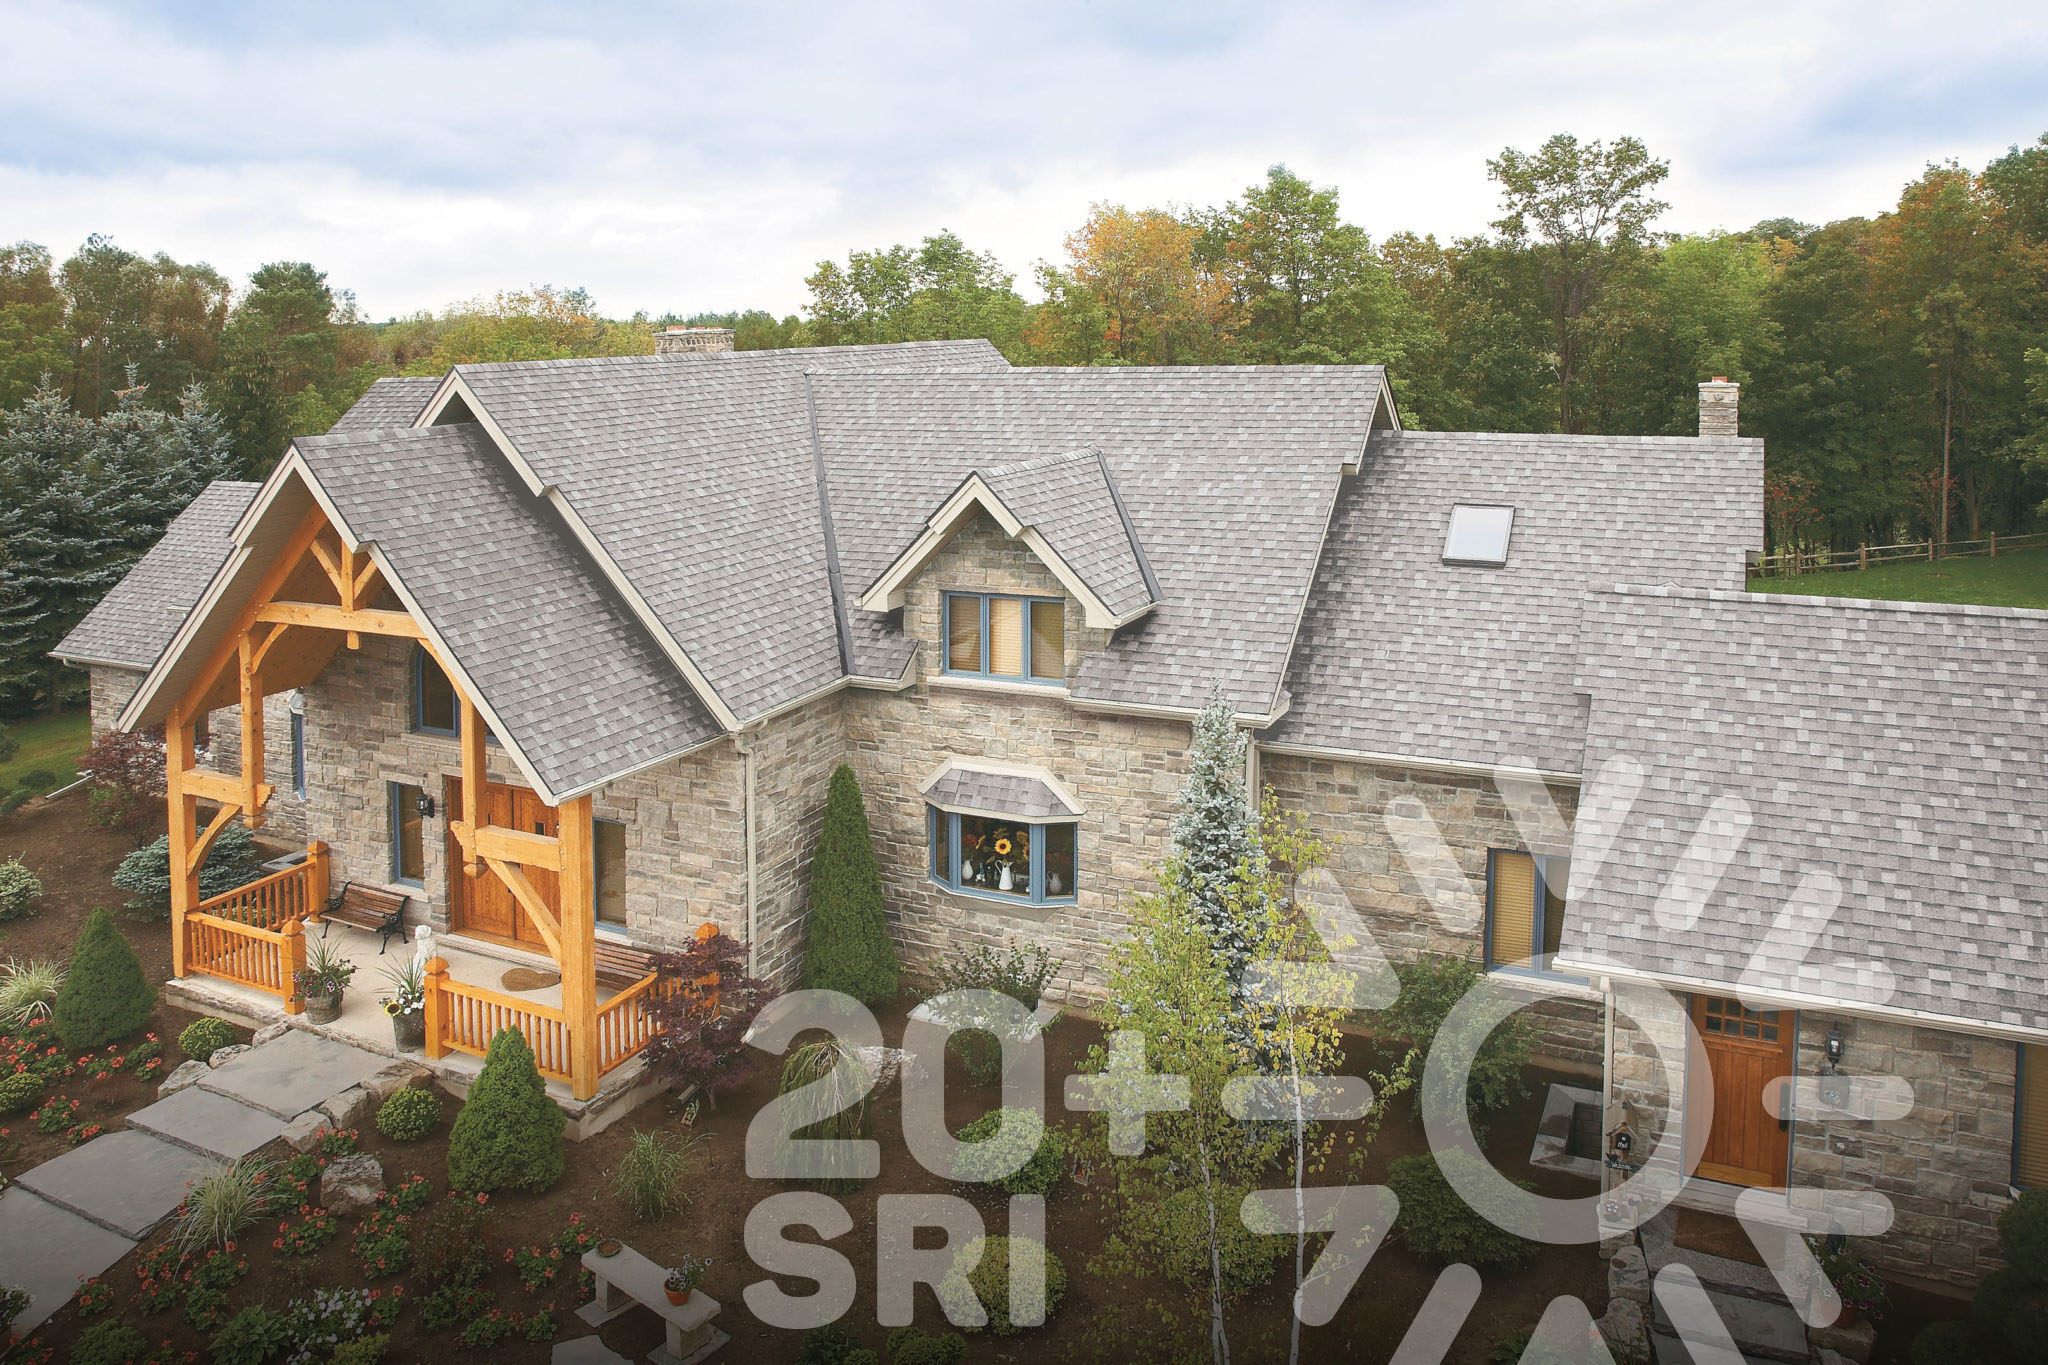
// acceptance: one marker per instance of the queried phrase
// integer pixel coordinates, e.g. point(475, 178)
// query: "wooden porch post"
point(578, 922)
point(317, 889)
point(436, 1007)
point(184, 823)
point(472, 742)
point(294, 932)
point(252, 733)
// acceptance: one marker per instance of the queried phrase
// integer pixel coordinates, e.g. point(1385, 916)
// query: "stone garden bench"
point(631, 1277)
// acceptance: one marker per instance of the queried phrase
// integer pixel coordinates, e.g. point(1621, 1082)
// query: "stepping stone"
point(1762, 1330)
point(47, 1251)
point(293, 1073)
point(584, 1351)
point(209, 1124)
point(124, 1181)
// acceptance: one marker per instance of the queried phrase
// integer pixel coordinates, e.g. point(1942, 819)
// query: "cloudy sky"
point(693, 155)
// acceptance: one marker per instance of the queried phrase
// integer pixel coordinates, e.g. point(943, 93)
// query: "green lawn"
point(2016, 579)
point(52, 742)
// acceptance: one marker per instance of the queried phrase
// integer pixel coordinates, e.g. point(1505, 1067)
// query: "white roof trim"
point(452, 387)
point(955, 763)
point(1439, 765)
point(973, 494)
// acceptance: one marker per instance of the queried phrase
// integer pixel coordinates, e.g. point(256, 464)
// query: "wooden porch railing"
point(255, 934)
point(464, 1018)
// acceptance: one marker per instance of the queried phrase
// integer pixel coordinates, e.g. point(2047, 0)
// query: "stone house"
point(565, 652)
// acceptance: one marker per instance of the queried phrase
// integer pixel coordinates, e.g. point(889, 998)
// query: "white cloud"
point(696, 156)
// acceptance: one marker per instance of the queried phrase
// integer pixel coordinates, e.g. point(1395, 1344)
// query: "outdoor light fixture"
point(426, 806)
point(1834, 1049)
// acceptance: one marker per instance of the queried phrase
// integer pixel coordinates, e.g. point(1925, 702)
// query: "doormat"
point(527, 979)
point(1714, 1234)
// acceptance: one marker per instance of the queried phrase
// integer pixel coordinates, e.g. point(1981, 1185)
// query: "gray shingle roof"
point(135, 620)
point(1227, 474)
point(575, 680)
point(1072, 501)
point(1016, 796)
point(388, 403)
point(695, 474)
point(1901, 748)
point(1402, 654)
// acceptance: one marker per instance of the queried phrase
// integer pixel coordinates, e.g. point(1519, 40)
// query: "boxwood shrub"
point(996, 1148)
point(990, 1279)
point(409, 1114)
point(203, 1037)
point(1439, 1224)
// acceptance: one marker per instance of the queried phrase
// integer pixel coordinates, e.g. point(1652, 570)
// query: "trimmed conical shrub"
point(104, 995)
point(849, 947)
point(509, 1135)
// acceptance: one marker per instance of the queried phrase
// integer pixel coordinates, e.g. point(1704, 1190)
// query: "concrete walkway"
point(73, 1216)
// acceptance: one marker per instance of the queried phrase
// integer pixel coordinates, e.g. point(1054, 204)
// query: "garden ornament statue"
point(423, 945)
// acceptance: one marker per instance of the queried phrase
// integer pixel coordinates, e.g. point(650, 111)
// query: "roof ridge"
point(1808, 600)
point(1037, 462)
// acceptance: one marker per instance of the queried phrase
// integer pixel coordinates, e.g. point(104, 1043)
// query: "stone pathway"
point(73, 1216)
point(584, 1351)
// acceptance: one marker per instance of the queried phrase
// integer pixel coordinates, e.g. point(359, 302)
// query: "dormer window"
point(1019, 639)
point(1479, 535)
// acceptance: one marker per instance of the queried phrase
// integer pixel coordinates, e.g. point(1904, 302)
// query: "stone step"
point(211, 1125)
point(127, 1182)
point(1761, 1329)
point(47, 1250)
point(293, 1073)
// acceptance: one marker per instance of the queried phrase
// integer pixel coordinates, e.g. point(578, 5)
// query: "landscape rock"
point(382, 1085)
point(1626, 1330)
point(223, 1055)
point(302, 1134)
point(269, 1031)
point(187, 1074)
point(351, 1184)
point(1855, 1342)
point(352, 1108)
point(885, 1064)
point(1628, 1276)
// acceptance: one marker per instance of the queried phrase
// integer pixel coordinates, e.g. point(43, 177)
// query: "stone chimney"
point(1718, 400)
point(693, 340)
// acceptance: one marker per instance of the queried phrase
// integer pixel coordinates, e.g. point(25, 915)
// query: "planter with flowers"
point(1859, 1287)
point(407, 1004)
point(684, 1277)
point(322, 980)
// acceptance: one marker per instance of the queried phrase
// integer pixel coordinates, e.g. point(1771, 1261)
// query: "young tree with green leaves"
point(849, 948)
point(936, 291)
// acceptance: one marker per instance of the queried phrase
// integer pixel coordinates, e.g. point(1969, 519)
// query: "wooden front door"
point(485, 905)
point(1749, 1053)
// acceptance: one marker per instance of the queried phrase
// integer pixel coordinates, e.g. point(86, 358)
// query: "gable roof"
point(130, 626)
point(388, 403)
point(1067, 511)
point(1227, 476)
point(1901, 748)
point(1404, 656)
point(691, 479)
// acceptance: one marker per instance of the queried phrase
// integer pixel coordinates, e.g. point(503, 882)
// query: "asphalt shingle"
point(388, 403)
point(1072, 501)
point(135, 620)
point(1900, 748)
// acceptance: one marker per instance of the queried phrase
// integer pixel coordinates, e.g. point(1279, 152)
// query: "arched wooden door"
point(484, 905)
point(1749, 1053)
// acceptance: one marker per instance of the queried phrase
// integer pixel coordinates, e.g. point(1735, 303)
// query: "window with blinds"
point(996, 636)
point(1525, 908)
point(2030, 1138)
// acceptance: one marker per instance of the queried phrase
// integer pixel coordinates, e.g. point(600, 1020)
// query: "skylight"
point(1479, 535)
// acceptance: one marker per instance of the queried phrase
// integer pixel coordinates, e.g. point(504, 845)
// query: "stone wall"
point(1346, 803)
point(111, 689)
point(1946, 1166)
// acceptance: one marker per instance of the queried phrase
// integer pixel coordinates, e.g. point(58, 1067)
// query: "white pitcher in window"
point(1004, 884)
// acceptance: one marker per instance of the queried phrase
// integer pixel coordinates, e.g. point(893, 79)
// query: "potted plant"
point(1859, 1287)
point(407, 1003)
point(322, 980)
point(684, 1277)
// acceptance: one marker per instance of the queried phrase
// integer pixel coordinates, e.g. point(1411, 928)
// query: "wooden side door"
point(1749, 1053)
point(485, 905)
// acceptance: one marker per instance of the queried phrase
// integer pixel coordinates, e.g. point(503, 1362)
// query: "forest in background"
point(1875, 353)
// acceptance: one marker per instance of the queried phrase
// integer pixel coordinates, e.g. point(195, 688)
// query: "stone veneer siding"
point(1345, 803)
point(1946, 1166)
point(111, 689)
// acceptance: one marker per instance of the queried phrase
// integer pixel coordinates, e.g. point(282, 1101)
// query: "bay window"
point(1004, 858)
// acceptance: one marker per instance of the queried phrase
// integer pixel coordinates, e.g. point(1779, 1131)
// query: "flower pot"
point(323, 1008)
point(409, 1030)
point(679, 1296)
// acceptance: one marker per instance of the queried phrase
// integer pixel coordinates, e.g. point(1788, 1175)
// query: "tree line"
point(1897, 365)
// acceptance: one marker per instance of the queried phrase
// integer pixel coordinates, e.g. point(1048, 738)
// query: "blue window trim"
point(394, 794)
point(2019, 1108)
point(299, 754)
point(419, 702)
point(943, 829)
point(981, 601)
point(1543, 863)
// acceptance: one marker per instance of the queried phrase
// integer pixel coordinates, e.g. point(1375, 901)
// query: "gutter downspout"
point(744, 744)
point(1607, 1076)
